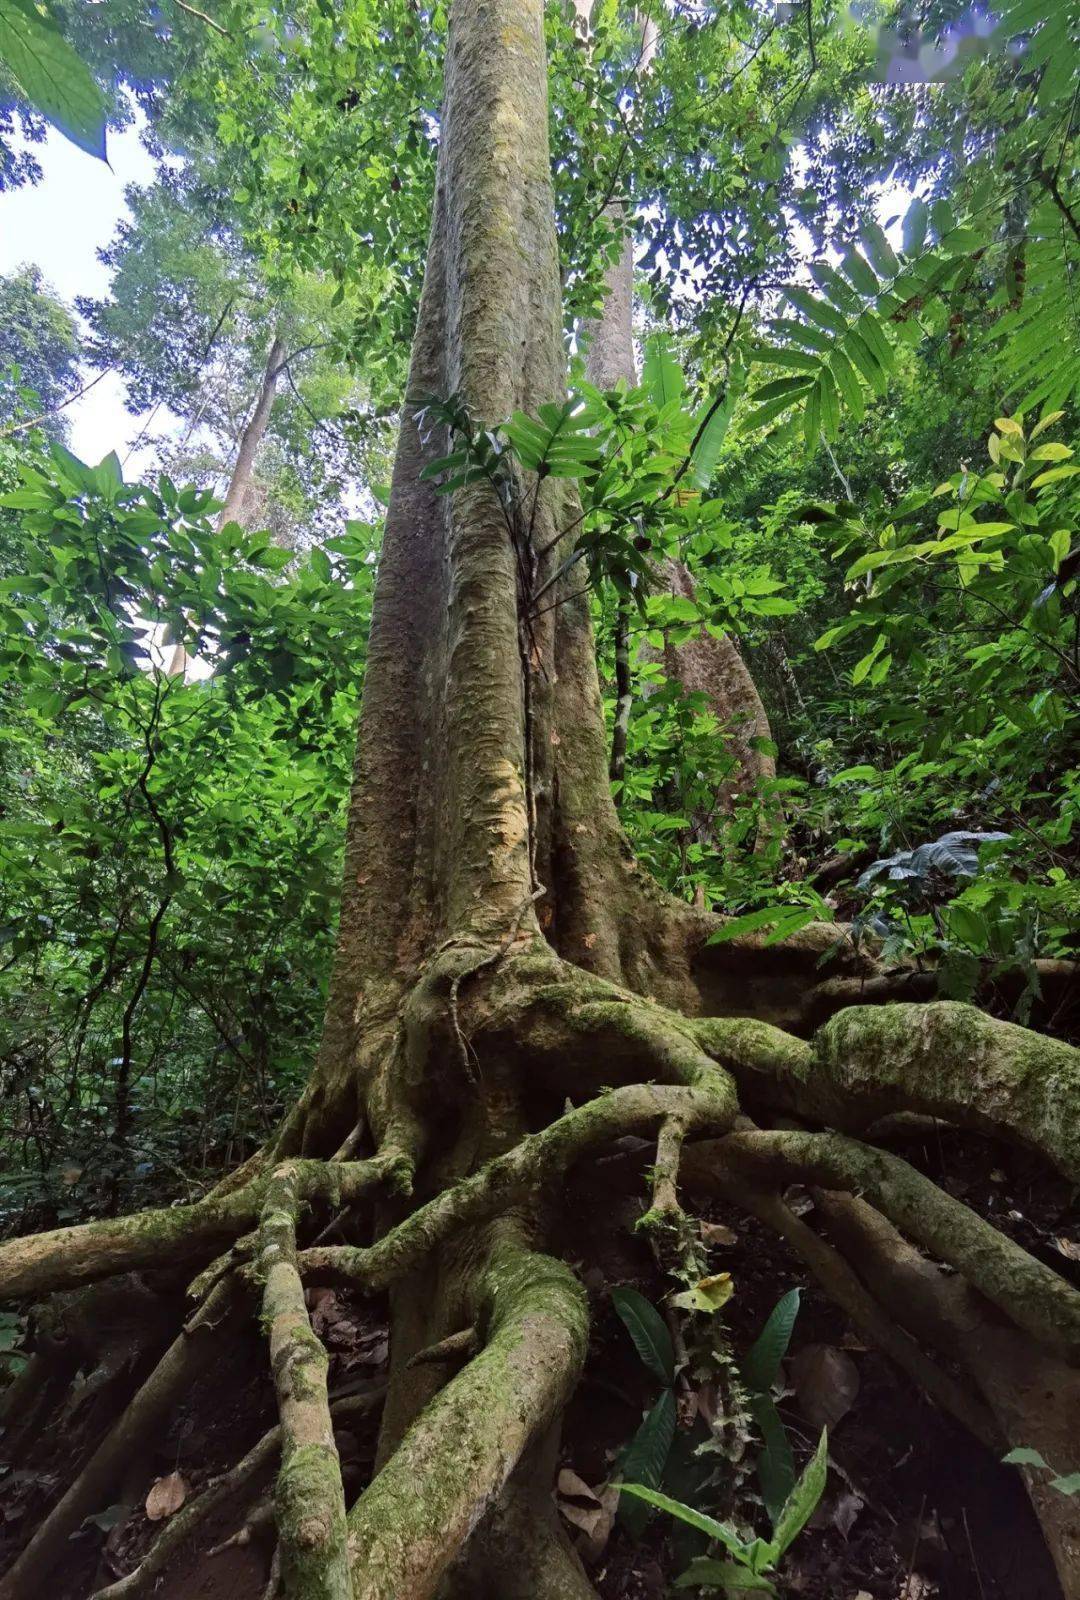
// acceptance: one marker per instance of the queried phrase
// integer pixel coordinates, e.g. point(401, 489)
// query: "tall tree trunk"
point(234, 508)
point(250, 439)
point(511, 995)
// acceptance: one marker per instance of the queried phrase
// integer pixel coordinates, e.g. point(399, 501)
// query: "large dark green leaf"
point(761, 1365)
point(649, 1331)
point(51, 76)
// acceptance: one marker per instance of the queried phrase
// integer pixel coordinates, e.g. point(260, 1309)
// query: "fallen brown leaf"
point(826, 1383)
point(715, 1234)
point(166, 1496)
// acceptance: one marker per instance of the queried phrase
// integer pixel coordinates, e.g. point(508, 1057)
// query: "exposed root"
point(310, 1496)
point(188, 1355)
point(1034, 1397)
point(519, 1316)
point(536, 1162)
point(1032, 1295)
point(947, 1059)
point(65, 1258)
point(410, 1524)
point(840, 1283)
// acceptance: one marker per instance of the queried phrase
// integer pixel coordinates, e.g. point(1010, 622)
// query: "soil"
point(914, 1509)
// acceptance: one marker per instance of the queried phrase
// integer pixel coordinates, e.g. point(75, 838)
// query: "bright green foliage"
point(170, 849)
point(39, 351)
point(51, 75)
point(751, 1558)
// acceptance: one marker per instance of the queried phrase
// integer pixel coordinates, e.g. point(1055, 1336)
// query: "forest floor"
point(914, 1509)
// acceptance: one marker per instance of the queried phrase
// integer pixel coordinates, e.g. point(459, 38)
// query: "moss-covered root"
point(66, 1258)
point(1035, 1397)
point(951, 1060)
point(703, 1173)
point(132, 1437)
point(310, 1498)
point(536, 1163)
point(415, 1517)
point(1030, 1294)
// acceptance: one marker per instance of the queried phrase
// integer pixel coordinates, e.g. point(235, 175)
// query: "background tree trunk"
point(252, 436)
point(706, 665)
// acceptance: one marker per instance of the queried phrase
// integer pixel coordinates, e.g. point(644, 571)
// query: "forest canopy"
point(658, 424)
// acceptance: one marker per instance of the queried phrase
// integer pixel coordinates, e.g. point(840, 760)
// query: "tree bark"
point(233, 509)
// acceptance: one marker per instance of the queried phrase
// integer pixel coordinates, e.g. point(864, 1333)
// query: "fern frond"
point(843, 336)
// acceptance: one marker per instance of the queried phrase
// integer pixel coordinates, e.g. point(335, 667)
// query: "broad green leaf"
point(803, 1499)
point(817, 310)
point(646, 1456)
point(1024, 1456)
point(1054, 475)
point(707, 1573)
point(722, 1532)
point(53, 78)
point(785, 356)
point(878, 249)
point(749, 922)
point(771, 409)
point(648, 1330)
point(761, 1364)
point(661, 374)
point(775, 1462)
point(812, 416)
point(916, 221)
point(830, 404)
point(848, 384)
point(861, 274)
point(707, 449)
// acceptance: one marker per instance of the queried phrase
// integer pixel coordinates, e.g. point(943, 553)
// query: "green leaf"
point(830, 404)
point(848, 384)
point(660, 373)
point(812, 417)
point(968, 927)
point(856, 267)
point(707, 448)
point(648, 1330)
point(878, 249)
point(1024, 1456)
point(51, 76)
point(646, 1456)
point(915, 224)
point(749, 922)
point(804, 1497)
point(775, 1463)
point(815, 310)
point(772, 408)
point(1070, 1484)
point(720, 1531)
point(761, 1364)
point(707, 1573)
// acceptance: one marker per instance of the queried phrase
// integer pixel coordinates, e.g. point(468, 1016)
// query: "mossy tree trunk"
point(500, 955)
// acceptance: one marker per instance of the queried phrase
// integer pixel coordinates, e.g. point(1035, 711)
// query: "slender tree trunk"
point(252, 436)
point(234, 508)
